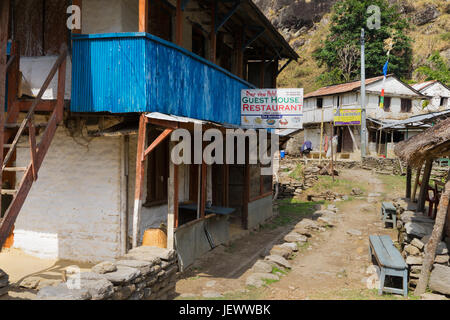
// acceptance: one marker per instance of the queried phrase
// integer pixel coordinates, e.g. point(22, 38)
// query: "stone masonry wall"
point(145, 273)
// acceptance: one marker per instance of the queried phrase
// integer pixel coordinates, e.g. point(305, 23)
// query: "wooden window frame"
point(319, 105)
point(408, 109)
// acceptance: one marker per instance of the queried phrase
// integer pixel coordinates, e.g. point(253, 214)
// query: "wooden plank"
point(143, 16)
point(408, 182)
point(32, 139)
point(179, 24)
point(13, 76)
point(424, 185)
point(416, 183)
point(61, 90)
point(78, 3)
point(139, 185)
point(172, 201)
point(43, 106)
point(157, 141)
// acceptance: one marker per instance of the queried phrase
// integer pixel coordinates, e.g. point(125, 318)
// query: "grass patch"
point(393, 185)
point(340, 185)
point(275, 270)
point(269, 281)
point(297, 173)
point(290, 211)
point(358, 294)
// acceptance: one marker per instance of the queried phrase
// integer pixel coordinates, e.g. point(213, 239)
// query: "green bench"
point(390, 261)
point(389, 213)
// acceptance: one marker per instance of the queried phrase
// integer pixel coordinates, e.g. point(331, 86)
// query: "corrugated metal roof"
point(423, 85)
point(341, 88)
point(420, 120)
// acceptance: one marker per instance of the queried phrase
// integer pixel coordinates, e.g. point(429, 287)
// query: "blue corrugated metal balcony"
point(138, 72)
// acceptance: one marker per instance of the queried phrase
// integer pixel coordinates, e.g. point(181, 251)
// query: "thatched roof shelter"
point(430, 144)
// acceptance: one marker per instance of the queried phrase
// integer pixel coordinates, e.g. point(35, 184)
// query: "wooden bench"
point(390, 262)
point(389, 213)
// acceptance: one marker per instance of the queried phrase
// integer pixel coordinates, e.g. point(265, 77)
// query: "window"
point(406, 105)
point(198, 41)
point(319, 103)
point(157, 171)
point(444, 102)
point(387, 103)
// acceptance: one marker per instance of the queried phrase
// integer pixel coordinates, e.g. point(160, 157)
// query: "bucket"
point(155, 238)
point(282, 154)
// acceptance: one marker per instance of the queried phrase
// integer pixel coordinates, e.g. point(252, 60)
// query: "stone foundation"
point(145, 273)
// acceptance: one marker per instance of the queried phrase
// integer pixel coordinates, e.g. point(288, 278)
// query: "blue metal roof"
point(138, 72)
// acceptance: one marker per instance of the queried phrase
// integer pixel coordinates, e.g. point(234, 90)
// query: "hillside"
point(306, 23)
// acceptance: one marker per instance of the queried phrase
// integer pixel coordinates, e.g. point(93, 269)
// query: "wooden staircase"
point(11, 131)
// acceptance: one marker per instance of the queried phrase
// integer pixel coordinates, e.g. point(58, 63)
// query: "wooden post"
point(213, 36)
point(172, 215)
point(238, 54)
point(274, 73)
point(4, 33)
point(262, 67)
point(431, 246)
point(203, 191)
point(139, 186)
point(225, 179)
point(79, 4)
point(321, 138)
point(143, 15)
point(424, 185)
point(416, 183)
point(179, 24)
point(332, 151)
point(408, 182)
point(246, 193)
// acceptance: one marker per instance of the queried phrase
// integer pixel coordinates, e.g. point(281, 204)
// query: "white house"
point(401, 102)
point(439, 92)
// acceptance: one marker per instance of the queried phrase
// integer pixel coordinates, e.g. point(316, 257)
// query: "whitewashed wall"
point(437, 91)
point(73, 210)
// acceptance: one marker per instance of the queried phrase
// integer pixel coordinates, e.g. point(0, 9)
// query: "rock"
point(104, 267)
point(283, 252)
point(30, 283)
point(432, 296)
point(124, 292)
point(290, 245)
point(418, 230)
point(98, 289)
point(426, 15)
point(412, 250)
point(122, 275)
point(257, 279)
point(327, 221)
point(295, 237)
point(374, 195)
point(307, 224)
point(302, 231)
point(262, 267)
point(62, 292)
point(48, 283)
point(4, 280)
point(163, 254)
point(144, 266)
point(210, 284)
point(441, 259)
point(416, 269)
point(440, 279)
point(73, 269)
point(211, 295)
point(279, 261)
point(354, 232)
point(417, 243)
point(442, 248)
point(4, 291)
point(414, 260)
point(356, 191)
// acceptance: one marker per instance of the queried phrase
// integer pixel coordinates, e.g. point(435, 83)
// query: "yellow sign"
point(347, 117)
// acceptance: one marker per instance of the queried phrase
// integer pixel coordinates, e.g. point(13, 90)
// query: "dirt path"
point(333, 265)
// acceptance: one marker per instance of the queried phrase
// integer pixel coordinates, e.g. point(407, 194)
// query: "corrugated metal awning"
point(423, 120)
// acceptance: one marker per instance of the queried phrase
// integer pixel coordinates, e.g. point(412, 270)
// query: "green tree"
point(341, 49)
point(435, 69)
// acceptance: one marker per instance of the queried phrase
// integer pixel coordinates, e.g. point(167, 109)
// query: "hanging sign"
point(347, 117)
point(272, 108)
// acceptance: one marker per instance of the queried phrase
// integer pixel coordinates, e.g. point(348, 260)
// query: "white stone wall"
point(437, 91)
point(73, 210)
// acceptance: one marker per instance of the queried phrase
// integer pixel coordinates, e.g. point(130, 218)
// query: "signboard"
point(272, 108)
point(347, 117)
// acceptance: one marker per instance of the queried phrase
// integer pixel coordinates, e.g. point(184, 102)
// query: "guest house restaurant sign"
point(272, 108)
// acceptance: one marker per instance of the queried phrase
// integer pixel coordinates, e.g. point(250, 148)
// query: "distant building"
point(439, 92)
point(401, 102)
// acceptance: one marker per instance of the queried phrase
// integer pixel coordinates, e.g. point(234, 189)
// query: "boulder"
point(280, 251)
point(308, 224)
point(418, 230)
point(257, 279)
point(290, 245)
point(442, 248)
point(412, 250)
point(162, 253)
point(295, 237)
point(440, 279)
point(262, 267)
point(30, 283)
point(414, 260)
point(441, 259)
point(98, 289)
point(144, 266)
point(417, 243)
point(122, 275)
point(4, 280)
point(62, 292)
point(104, 267)
point(426, 15)
point(432, 296)
point(280, 261)
point(302, 231)
point(327, 221)
point(354, 232)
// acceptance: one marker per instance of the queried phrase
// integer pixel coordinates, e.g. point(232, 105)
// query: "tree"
point(435, 69)
point(348, 17)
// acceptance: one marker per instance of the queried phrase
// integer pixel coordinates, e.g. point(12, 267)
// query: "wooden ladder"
point(11, 129)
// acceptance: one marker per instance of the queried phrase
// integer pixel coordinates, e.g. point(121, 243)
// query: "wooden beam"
point(139, 185)
point(275, 73)
point(13, 76)
point(172, 201)
point(143, 15)
point(157, 141)
point(262, 69)
point(213, 35)
point(408, 182)
point(78, 3)
point(424, 185)
point(416, 183)
point(32, 140)
point(43, 106)
point(179, 24)
point(203, 191)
